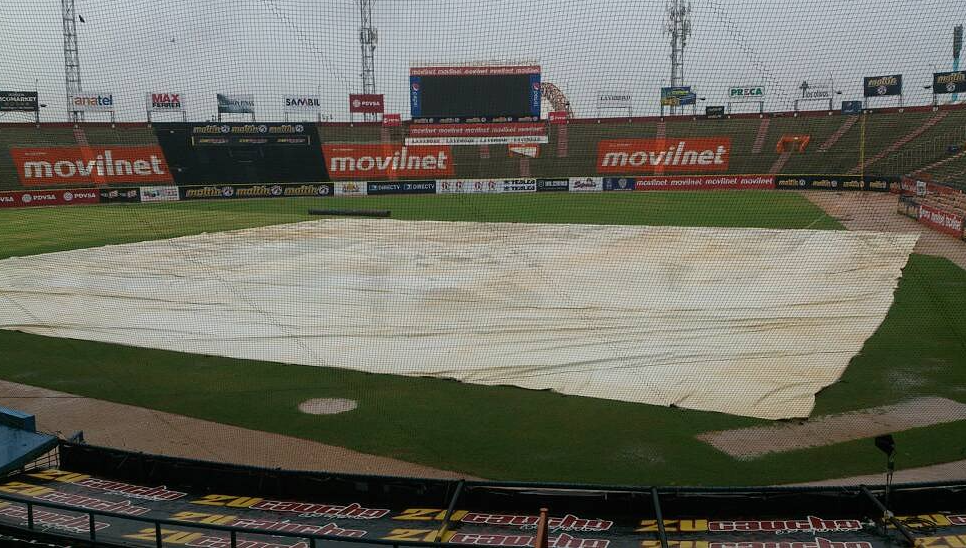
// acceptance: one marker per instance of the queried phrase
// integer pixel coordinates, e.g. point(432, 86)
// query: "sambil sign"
point(301, 103)
point(381, 161)
point(663, 155)
point(882, 86)
point(170, 101)
point(366, 103)
point(91, 102)
point(97, 165)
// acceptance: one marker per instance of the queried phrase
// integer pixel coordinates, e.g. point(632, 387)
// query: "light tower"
point(72, 75)
point(367, 39)
point(679, 27)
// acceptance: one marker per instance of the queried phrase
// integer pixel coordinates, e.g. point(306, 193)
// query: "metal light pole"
point(72, 76)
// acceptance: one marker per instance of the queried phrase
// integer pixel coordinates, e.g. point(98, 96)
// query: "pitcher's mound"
point(327, 406)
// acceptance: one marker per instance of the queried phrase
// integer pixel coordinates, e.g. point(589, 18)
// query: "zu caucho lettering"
point(304, 509)
point(810, 524)
point(453, 537)
point(269, 525)
point(819, 542)
point(55, 520)
point(112, 487)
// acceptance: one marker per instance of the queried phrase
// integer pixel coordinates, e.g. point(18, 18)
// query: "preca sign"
point(663, 155)
point(746, 93)
point(941, 221)
point(369, 103)
point(34, 198)
point(387, 160)
point(97, 165)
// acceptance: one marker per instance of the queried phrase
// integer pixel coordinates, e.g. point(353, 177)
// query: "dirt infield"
point(749, 443)
point(178, 436)
point(875, 211)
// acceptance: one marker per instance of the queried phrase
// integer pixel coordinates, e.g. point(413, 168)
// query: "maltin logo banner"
point(882, 86)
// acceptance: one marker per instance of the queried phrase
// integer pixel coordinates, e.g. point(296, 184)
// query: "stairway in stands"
point(901, 142)
point(940, 163)
point(834, 138)
point(780, 163)
point(762, 135)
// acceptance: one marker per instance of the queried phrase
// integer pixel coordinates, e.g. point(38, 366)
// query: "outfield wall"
point(885, 142)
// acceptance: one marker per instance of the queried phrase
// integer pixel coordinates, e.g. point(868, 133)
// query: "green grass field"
point(502, 432)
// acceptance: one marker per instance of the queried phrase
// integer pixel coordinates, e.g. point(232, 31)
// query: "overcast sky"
point(274, 47)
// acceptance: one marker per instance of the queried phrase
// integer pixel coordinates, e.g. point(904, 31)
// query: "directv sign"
point(677, 96)
point(949, 82)
point(751, 93)
point(882, 86)
point(18, 101)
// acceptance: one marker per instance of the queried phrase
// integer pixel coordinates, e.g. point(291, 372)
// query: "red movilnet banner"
point(706, 182)
point(93, 165)
point(374, 161)
point(663, 155)
point(366, 103)
point(474, 71)
point(34, 198)
point(941, 221)
point(392, 120)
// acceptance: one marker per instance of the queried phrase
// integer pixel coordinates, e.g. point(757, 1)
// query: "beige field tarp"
point(744, 321)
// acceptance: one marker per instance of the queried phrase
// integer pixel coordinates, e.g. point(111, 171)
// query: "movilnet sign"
point(882, 86)
point(91, 102)
point(942, 221)
point(474, 71)
point(382, 161)
point(706, 182)
point(96, 165)
point(746, 93)
point(236, 104)
point(301, 103)
point(166, 101)
point(366, 103)
point(949, 82)
point(477, 134)
point(663, 155)
point(18, 101)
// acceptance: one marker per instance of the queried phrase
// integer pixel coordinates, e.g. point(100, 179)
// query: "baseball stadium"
point(531, 273)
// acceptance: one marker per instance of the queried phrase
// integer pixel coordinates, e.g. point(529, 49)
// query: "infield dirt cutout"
point(327, 406)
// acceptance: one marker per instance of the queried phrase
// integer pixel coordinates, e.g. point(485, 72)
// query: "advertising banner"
point(368, 103)
point(669, 154)
point(942, 221)
point(528, 150)
point(675, 96)
point(91, 102)
point(301, 103)
point(97, 165)
point(35, 198)
point(229, 103)
point(746, 93)
point(818, 183)
point(477, 134)
point(619, 184)
point(553, 185)
point(469, 186)
point(614, 101)
point(279, 190)
point(350, 188)
point(392, 120)
point(816, 89)
point(852, 107)
point(165, 102)
point(520, 185)
point(159, 194)
point(949, 82)
point(384, 161)
point(714, 113)
point(706, 182)
point(559, 117)
point(19, 101)
point(586, 184)
point(882, 86)
point(408, 187)
point(129, 195)
point(475, 71)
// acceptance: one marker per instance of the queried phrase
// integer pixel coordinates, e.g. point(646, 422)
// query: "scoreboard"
point(475, 94)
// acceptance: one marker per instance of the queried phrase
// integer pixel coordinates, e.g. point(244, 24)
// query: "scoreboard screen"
point(463, 94)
